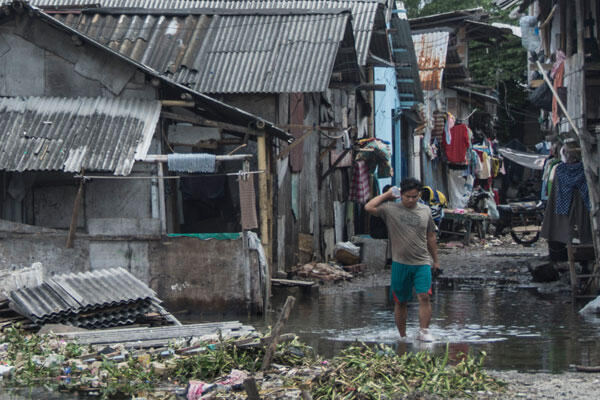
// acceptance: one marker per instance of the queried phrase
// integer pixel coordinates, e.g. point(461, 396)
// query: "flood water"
point(517, 328)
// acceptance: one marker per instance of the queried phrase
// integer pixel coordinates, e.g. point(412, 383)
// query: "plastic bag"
point(530, 35)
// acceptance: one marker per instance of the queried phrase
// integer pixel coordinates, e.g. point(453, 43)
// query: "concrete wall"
point(209, 276)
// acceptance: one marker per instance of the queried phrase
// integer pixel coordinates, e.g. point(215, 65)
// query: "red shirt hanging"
point(456, 151)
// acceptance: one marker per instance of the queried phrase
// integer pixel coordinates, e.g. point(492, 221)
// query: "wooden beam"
point(296, 142)
point(177, 103)
point(263, 200)
point(335, 164)
point(372, 86)
point(205, 122)
point(73, 225)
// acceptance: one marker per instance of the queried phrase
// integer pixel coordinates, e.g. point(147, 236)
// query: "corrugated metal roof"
point(364, 12)
point(431, 49)
point(107, 297)
point(71, 134)
point(215, 53)
point(207, 106)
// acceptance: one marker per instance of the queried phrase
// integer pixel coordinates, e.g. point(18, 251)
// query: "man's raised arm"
point(371, 206)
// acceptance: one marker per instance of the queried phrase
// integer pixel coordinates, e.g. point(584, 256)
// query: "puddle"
point(517, 328)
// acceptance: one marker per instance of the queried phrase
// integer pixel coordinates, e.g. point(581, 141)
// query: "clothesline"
point(165, 177)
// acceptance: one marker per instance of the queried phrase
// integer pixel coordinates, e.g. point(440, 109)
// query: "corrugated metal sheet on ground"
point(431, 49)
point(71, 134)
point(364, 12)
point(225, 53)
point(103, 298)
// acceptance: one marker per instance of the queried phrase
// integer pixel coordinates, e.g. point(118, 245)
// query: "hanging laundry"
point(558, 73)
point(191, 162)
point(359, 186)
point(380, 156)
point(570, 177)
point(447, 127)
point(458, 192)
point(247, 201)
point(456, 150)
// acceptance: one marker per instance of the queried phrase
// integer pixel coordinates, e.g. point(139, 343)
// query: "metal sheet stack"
point(98, 299)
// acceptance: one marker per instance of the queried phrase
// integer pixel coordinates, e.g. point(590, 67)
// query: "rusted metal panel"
point(431, 49)
point(71, 134)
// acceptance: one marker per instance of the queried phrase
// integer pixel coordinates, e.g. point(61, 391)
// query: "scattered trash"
point(220, 371)
point(347, 253)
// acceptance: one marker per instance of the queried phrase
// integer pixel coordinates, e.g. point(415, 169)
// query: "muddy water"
point(517, 328)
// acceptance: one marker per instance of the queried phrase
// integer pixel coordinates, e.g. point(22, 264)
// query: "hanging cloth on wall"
point(558, 83)
point(191, 162)
point(359, 186)
point(247, 201)
point(570, 177)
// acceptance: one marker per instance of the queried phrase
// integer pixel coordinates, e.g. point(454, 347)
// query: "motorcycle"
point(524, 219)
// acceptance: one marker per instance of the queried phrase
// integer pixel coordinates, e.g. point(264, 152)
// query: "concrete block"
point(133, 256)
point(374, 251)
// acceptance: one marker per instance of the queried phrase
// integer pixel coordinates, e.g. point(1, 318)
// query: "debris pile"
point(323, 271)
point(222, 368)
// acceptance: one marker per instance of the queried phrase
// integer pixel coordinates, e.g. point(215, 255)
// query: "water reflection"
point(518, 329)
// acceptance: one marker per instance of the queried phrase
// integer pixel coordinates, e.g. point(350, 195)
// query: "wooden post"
point(283, 317)
point(579, 17)
point(572, 272)
point(162, 210)
point(569, 44)
point(73, 225)
point(263, 199)
point(251, 389)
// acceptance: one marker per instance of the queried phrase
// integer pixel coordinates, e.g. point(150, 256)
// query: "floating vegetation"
point(174, 370)
point(364, 372)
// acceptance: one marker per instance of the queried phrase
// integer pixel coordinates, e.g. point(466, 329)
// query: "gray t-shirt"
point(407, 230)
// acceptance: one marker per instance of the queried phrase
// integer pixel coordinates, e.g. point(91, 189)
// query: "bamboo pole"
point(73, 225)
point(558, 100)
point(162, 158)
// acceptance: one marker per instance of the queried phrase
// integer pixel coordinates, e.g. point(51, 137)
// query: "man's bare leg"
point(400, 312)
point(424, 310)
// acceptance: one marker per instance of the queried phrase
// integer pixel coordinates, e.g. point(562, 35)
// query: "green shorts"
point(405, 277)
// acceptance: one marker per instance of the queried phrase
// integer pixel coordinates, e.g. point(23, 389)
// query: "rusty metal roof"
point(229, 51)
point(71, 134)
point(367, 15)
point(431, 50)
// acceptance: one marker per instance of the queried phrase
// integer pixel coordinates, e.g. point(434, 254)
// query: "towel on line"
point(248, 202)
point(193, 162)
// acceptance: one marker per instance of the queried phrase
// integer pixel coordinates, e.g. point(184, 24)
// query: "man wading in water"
point(411, 232)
